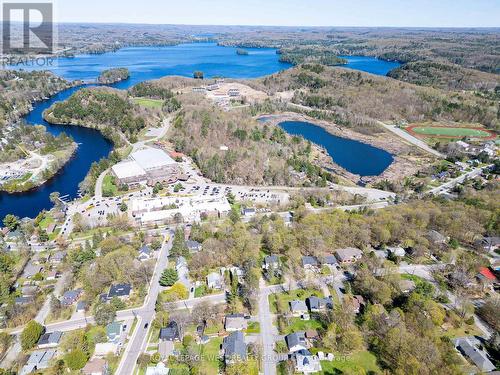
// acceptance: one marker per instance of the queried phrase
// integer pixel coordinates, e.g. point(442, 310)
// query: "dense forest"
point(359, 99)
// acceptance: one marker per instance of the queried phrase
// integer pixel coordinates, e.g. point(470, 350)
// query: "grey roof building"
point(71, 296)
point(296, 341)
point(309, 261)
point(271, 261)
point(317, 304)
point(120, 290)
point(49, 340)
point(468, 348)
point(235, 348)
point(348, 255)
point(235, 322)
point(170, 332)
point(193, 246)
point(298, 307)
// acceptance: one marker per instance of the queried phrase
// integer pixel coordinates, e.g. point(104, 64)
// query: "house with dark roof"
point(193, 246)
point(316, 304)
point(21, 301)
point(468, 347)
point(489, 244)
point(310, 262)
point(145, 253)
point(58, 257)
point(234, 347)
point(170, 332)
point(49, 340)
point(329, 260)
point(121, 291)
point(296, 341)
point(71, 296)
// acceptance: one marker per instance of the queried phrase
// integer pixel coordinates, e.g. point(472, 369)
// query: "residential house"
point(298, 308)
point(436, 238)
point(170, 332)
point(215, 281)
point(50, 228)
point(248, 212)
point(31, 270)
point(271, 262)
point(330, 260)
point(235, 322)
point(121, 291)
point(81, 306)
point(58, 257)
point(114, 331)
point(96, 366)
point(145, 253)
point(348, 255)
point(53, 275)
point(310, 263)
point(358, 303)
point(316, 304)
point(159, 369)
point(29, 291)
point(312, 334)
point(296, 341)
point(397, 251)
point(306, 363)
point(468, 347)
point(22, 301)
point(49, 340)
point(193, 246)
point(233, 92)
point(38, 360)
point(489, 244)
point(234, 347)
point(486, 277)
point(71, 296)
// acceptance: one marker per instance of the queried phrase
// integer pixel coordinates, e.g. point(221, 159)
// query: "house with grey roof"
point(21, 301)
point(193, 246)
point(298, 308)
point(310, 262)
point(38, 360)
point(348, 255)
point(215, 281)
point(49, 340)
point(468, 347)
point(71, 296)
point(145, 253)
point(271, 262)
point(329, 260)
point(234, 347)
point(58, 257)
point(113, 332)
point(121, 291)
point(170, 332)
point(31, 270)
point(316, 304)
point(235, 322)
point(306, 363)
point(397, 251)
point(296, 341)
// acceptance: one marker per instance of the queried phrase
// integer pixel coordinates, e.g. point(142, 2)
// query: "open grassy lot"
point(362, 362)
point(448, 131)
point(297, 324)
point(149, 103)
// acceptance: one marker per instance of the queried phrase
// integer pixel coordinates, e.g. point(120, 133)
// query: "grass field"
point(149, 103)
point(357, 363)
point(438, 131)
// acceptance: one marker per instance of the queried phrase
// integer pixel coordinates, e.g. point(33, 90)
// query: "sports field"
point(450, 132)
point(149, 103)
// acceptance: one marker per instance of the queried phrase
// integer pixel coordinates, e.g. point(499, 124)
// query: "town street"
point(268, 331)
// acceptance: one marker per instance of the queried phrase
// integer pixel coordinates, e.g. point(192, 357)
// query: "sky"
point(394, 13)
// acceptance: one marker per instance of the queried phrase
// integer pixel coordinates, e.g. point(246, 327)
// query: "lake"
point(144, 63)
point(354, 156)
point(370, 64)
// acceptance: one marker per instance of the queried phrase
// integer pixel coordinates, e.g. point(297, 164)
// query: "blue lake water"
point(370, 64)
point(354, 156)
point(144, 63)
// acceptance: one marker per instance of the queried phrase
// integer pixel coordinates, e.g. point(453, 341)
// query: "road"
point(456, 181)
point(267, 331)
point(145, 315)
point(410, 138)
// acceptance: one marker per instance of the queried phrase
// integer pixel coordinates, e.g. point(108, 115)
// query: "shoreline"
point(404, 156)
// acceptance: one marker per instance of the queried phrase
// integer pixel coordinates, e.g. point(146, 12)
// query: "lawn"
point(283, 299)
point(149, 103)
point(253, 327)
point(109, 188)
point(357, 363)
point(297, 324)
point(450, 131)
point(210, 356)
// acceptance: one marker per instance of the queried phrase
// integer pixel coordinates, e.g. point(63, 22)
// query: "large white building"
point(150, 211)
point(150, 165)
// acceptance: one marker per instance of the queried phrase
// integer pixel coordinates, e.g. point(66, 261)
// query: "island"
point(110, 76)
